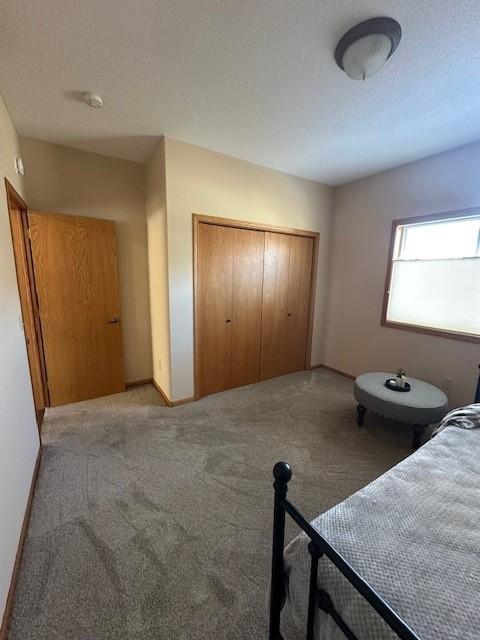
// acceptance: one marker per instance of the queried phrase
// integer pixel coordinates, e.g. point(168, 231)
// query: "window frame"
point(432, 331)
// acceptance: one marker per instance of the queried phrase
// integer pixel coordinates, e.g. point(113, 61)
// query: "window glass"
point(449, 239)
point(435, 276)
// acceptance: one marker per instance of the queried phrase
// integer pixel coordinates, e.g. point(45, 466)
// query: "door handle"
point(227, 320)
point(113, 320)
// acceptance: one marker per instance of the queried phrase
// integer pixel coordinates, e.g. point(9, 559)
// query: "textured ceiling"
point(255, 79)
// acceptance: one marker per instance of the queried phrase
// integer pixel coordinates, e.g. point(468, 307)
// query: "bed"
point(410, 569)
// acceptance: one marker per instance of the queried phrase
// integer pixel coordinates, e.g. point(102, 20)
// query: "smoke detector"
point(93, 100)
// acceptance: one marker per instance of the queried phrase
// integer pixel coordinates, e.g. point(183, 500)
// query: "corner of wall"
point(332, 206)
point(157, 230)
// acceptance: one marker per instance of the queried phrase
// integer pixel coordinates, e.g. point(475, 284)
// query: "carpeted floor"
point(155, 523)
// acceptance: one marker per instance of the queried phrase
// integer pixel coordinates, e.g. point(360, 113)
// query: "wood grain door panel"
point(247, 305)
point(298, 302)
point(274, 305)
point(215, 281)
point(76, 273)
point(253, 307)
point(286, 303)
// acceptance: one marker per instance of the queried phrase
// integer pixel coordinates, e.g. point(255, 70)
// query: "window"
point(433, 281)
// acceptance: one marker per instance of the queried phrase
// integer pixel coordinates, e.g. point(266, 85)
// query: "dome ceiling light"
point(364, 49)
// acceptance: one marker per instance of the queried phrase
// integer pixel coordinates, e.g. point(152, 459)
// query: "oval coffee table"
point(424, 404)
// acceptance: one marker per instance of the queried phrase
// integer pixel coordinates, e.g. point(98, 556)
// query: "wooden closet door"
point(298, 302)
point(286, 302)
point(247, 305)
point(274, 305)
point(215, 281)
point(76, 275)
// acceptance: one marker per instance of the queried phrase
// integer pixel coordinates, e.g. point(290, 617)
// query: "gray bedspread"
point(414, 535)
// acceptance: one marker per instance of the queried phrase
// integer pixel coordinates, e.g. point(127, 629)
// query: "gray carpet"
point(155, 523)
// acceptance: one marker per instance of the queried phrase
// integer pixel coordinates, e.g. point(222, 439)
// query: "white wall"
point(64, 180)
point(363, 214)
point(156, 209)
point(19, 440)
point(201, 181)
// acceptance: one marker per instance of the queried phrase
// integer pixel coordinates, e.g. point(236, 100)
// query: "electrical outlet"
point(447, 384)
point(159, 363)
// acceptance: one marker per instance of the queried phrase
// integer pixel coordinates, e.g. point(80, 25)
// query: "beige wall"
point(64, 180)
point(156, 210)
point(18, 428)
point(201, 181)
point(363, 213)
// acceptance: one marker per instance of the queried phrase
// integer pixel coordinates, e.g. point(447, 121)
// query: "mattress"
point(414, 535)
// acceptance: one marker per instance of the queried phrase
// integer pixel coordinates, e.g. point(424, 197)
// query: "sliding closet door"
point(215, 282)
point(274, 309)
point(298, 302)
point(247, 305)
point(286, 300)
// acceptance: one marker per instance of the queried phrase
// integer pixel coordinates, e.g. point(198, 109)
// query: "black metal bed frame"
point(318, 547)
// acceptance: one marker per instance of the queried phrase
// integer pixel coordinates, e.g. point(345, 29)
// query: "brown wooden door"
point(28, 305)
point(274, 305)
point(298, 302)
point(286, 301)
point(76, 275)
point(248, 253)
point(230, 274)
point(215, 282)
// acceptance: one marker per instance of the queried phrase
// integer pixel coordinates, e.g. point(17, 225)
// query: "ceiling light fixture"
point(364, 49)
point(93, 100)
